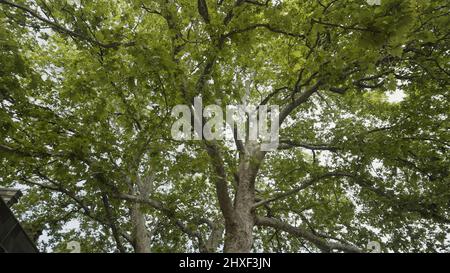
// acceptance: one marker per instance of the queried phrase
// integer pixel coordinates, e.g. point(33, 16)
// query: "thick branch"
point(114, 228)
point(166, 211)
point(203, 10)
point(298, 101)
point(322, 244)
point(225, 202)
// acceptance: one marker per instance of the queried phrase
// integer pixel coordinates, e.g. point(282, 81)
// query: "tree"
point(87, 89)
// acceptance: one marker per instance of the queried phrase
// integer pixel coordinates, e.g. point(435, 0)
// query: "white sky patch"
point(396, 96)
point(71, 225)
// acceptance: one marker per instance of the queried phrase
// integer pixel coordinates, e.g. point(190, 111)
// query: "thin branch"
point(264, 26)
point(63, 30)
point(297, 189)
point(288, 144)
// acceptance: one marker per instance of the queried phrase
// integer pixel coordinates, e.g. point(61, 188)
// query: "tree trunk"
point(141, 236)
point(239, 234)
point(239, 231)
point(141, 240)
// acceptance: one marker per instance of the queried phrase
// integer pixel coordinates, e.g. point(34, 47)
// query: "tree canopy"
point(87, 89)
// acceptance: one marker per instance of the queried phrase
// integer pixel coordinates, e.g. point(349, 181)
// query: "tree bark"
point(141, 235)
point(239, 231)
point(141, 240)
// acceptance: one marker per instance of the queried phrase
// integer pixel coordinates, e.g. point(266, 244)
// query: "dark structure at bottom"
point(13, 239)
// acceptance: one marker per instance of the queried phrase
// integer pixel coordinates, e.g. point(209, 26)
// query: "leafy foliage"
point(86, 89)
